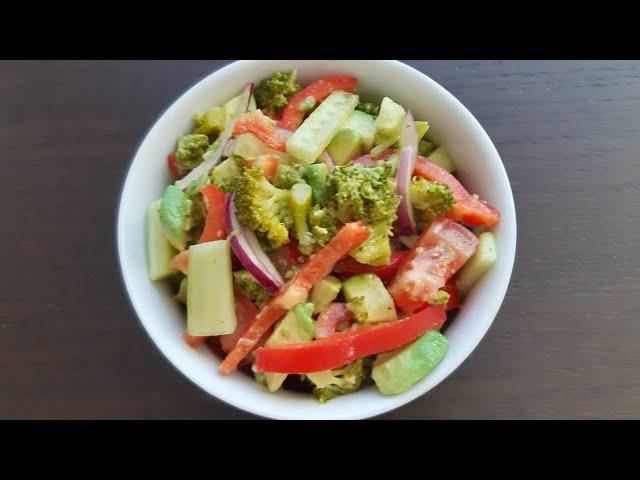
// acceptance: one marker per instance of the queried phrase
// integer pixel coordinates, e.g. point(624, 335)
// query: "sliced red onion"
point(406, 224)
point(328, 161)
point(246, 247)
point(409, 134)
point(365, 161)
point(212, 160)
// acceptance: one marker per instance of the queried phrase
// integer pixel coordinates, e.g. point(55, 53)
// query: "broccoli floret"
point(288, 175)
point(370, 108)
point(429, 199)
point(224, 175)
point(190, 150)
point(344, 380)
point(323, 224)
point(274, 91)
point(263, 207)
point(440, 298)
point(198, 214)
point(246, 284)
point(357, 307)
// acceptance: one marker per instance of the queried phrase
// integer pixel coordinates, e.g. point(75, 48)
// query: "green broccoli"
point(212, 122)
point(288, 175)
point(190, 150)
point(323, 224)
point(224, 175)
point(274, 91)
point(370, 108)
point(246, 284)
point(375, 250)
point(198, 214)
point(263, 207)
point(429, 199)
point(347, 379)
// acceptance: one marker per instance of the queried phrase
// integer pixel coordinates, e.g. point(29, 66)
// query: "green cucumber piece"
point(347, 144)
point(390, 119)
point(159, 250)
point(421, 129)
point(441, 158)
point(370, 297)
point(316, 176)
point(479, 263)
point(314, 135)
point(397, 371)
point(174, 212)
point(365, 125)
point(210, 303)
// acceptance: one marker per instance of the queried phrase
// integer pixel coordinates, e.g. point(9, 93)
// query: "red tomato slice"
point(438, 253)
point(292, 117)
point(297, 289)
point(349, 266)
point(329, 319)
point(262, 127)
point(181, 261)
point(172, 165)
point(467, 209)
point(348, 345)
point(454, 296)
point(215, 227)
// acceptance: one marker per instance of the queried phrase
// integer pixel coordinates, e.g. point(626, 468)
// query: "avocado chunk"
point(390, 119)
point(441, 158)
point(159, 250)
point(210, 301)
point(296, 326)
point(174, 212)
point(324, 292)
point(425, 148)
point(479, 263)
point(365, 125)
point(397, 371)
point(316, 176)
point(345, 145)
point(421, 129)
point(368, 298)
point(375, 250)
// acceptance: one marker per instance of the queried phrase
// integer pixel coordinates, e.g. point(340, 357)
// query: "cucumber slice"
point(390, 120)
point(365, 125)
point(159, 250)
point(314, 135)
point(370, 297)
point(210, 303)
point(421, 129)
point(324, 292)
point(347, 144)
point(441, 158)
point(479, 264)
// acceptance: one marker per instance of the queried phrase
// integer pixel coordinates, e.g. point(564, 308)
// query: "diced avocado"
point(345, 145)
point(440, 157)
point(249, 146)
point(397, 371)
point(314, 135)
point(370, 298)
point(324, 292)
point(159, 250)
point(375, 250)
point(212, 121)
point(181, 296)
point(421, 129)
point(425, 148)
point(316, 176)
point(296, 326)
point(174, 212)
point(210, 302)
point(479, 263)
point(225, 173)
point(390, 119)
point(365, 125)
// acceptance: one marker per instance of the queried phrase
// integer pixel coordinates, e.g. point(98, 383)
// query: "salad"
point(318, 242)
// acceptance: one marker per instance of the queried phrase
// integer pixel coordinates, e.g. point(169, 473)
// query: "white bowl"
point(451, 124)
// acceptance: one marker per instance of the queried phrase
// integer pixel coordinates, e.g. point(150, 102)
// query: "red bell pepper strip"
point(215, 227)
point(267, 163)
point(467, 209)
point(262, 127)
point(319, 90)
point(332, 316)
point(296, 290)
point(349, 266)
point(181, 262)
point(173, 166)
point(454, 296)
point(348, 345)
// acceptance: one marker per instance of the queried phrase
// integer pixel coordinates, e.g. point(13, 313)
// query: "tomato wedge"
point(438, 253)
point(172, 165)
point(467, 209)
point(348, 345)
point(193, 342)
point(332, 316)
point(349, 266)
point(296, 290)
point(454, 296)
point(215, 227)
point(267, 163)
point(262, 127)
point(292, 117)
point(246, 312)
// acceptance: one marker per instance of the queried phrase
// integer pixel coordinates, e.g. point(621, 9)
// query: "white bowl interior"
point(451, 124)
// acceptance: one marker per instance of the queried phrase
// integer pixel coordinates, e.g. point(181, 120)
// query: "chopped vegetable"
point(331, 383)
point(331, 318)
point(288, 175)
point(429, 199)
point(479, 264)
point(273, 92)
point(215, 227)
point(159, 250)
point(262, 127)
point(247, 285)
point(190, 150)
point(349, 266)
point(246, 312)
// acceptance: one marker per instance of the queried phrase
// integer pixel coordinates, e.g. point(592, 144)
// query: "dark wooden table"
point(566, 343)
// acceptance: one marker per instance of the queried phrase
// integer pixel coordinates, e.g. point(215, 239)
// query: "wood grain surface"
point(566, 343)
